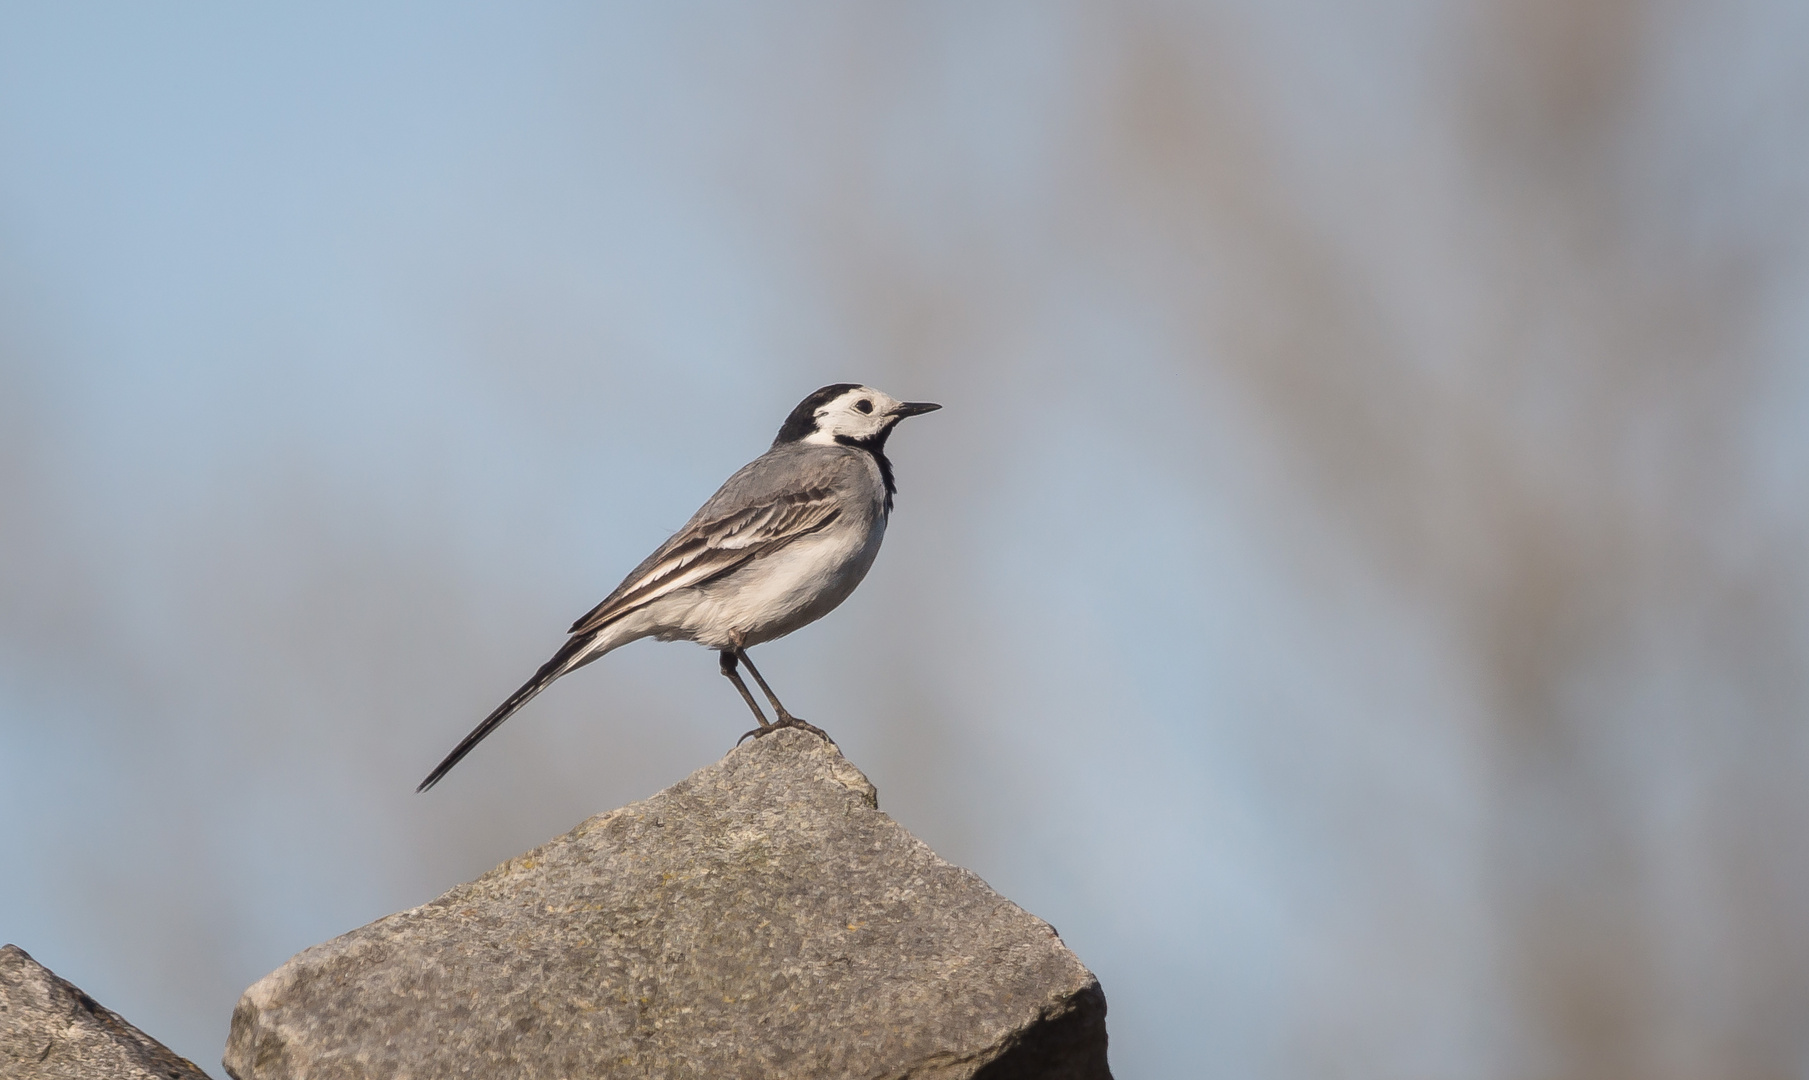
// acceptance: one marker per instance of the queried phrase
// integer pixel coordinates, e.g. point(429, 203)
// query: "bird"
point(780, 545)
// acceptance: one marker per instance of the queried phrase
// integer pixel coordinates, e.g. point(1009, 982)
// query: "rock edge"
point(51, 1030)
point(760, 918)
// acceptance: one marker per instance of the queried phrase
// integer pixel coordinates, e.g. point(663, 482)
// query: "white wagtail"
point(782, 543)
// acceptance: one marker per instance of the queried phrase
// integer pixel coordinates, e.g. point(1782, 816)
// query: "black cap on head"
point(803, 419)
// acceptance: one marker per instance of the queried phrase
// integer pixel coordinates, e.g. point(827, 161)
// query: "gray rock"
point(761, 918)
point(50, 1030)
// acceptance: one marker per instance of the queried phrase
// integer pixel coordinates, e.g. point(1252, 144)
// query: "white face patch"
point(858, 414)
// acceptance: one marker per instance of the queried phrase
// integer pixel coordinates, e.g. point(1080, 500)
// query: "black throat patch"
point(876, 445)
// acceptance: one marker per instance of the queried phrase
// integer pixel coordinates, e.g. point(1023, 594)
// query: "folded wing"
point(707, 549)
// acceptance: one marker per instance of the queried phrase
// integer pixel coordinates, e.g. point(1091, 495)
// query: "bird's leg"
point(727, 657)
point(778, 709)
point(786, 719)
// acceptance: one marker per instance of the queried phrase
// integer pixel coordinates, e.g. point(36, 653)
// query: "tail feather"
point(563, 661)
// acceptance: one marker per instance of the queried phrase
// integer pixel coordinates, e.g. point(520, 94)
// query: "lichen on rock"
point(761, 918)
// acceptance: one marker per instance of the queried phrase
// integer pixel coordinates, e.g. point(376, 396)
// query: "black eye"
point(864, 405)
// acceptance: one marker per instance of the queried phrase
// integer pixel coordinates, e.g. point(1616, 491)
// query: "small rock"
point(761, 918)
point(50, 1030)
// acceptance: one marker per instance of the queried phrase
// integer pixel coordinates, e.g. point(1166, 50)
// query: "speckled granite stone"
point(761, 918)
point(50, 1030)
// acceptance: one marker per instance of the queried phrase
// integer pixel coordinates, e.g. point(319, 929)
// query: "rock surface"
point(50, 1030)
point(761, 918)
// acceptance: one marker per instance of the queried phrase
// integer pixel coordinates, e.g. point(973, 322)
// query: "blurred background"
point(1358, 588)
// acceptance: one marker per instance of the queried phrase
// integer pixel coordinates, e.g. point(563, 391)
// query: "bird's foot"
point(786, 721)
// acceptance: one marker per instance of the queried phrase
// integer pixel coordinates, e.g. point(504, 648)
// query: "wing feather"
point(709, 548)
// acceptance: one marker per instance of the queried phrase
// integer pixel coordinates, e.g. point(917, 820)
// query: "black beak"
point(914, 408)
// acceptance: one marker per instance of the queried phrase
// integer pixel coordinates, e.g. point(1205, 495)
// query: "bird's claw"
point(786, 722)
point(794, 722)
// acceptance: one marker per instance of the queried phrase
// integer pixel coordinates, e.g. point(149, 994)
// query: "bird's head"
point(849, 414)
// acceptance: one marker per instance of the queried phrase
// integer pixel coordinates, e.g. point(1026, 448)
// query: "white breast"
point(772, 596)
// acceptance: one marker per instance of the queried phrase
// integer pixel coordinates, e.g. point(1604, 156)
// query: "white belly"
point(772, 596)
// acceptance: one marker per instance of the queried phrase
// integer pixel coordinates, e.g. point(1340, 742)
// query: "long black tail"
point(552, 669)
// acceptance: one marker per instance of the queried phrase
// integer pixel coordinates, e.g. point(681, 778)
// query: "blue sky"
point(348, 353)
